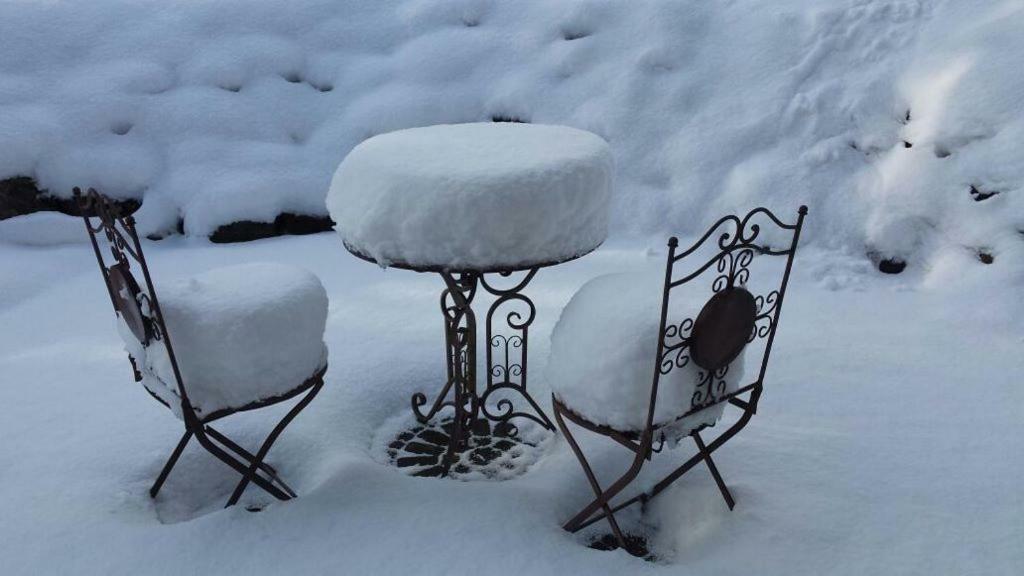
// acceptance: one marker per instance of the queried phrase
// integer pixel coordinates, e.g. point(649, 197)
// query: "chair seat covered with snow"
point(646, 359)
point(484, 196)
point(229, 340)
point(602, 351)
point(242, 335)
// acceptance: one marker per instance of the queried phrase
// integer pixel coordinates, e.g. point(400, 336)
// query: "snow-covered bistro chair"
point(244, 337)
point(645, 366)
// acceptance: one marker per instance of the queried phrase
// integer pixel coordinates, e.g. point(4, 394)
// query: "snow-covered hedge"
point(897, 121)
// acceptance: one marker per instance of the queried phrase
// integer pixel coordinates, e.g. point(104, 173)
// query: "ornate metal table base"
point(506, 361)
point(493, 453)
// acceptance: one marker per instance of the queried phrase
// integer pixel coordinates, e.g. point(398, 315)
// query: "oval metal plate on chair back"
point(722, 328)
point(126, 292)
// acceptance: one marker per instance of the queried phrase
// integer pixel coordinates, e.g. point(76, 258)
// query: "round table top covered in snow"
point(483, 197)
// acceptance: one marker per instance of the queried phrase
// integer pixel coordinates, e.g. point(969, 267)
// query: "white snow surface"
point(887, 440)
point(476, 196)
point(888, 437)
point(220, 111)
point(240, 334)
point(604, 355)
point(43, 229)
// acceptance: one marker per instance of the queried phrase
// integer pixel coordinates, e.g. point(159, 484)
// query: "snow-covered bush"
point(897, 121)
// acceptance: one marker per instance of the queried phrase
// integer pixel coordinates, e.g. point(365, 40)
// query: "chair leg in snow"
point(251, 474)
point(170, 464)
point(602, 502)
point(714, 471)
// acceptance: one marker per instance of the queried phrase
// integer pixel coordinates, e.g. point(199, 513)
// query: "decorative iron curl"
point(734, 234)
point(733, 269)
point(514, 319)
point(419, 400)
point(767, 306)
point(515, 289)
point(505, 409)
point(711, 387)
point(509, 369)
point(657, 448)
point(114, 226)
point(675, 346)
point(518, 312)
point(450, 302)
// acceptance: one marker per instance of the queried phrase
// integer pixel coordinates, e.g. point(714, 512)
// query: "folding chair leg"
point(170, 464)
point(714, 471)
point(254, 466)
point(574, 524)
point(269, 470)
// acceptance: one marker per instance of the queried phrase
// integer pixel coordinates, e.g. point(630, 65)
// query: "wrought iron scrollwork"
point(507, 352)
point(767, 306)
point(675, 346)
point(733, 269)
point(737, 243)
point(460, 336)
point(734, 241)
point(710, 388)
point(116, 228)
point(506, 358)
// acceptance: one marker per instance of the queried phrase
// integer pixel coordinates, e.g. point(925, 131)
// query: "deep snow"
point(887, 441)
point(240, 334)
point(223, 110)
point(479, 196)
point(604, 349)
point(889, 436)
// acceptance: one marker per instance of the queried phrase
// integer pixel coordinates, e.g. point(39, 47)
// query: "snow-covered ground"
point(888, 440)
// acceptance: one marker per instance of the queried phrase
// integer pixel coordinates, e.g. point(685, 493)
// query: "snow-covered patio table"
point(474, 202)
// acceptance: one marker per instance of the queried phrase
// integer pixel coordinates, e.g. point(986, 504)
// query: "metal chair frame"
point(123, 242)
point(736, 247)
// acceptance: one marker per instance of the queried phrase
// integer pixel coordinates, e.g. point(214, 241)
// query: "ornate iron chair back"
point(138, 307)
point(140, 310)
point(731, 320)
point(733, 317)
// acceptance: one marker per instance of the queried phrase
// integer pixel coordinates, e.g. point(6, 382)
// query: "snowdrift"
point(898, 122)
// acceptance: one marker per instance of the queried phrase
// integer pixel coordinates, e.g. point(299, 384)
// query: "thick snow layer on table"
point(851, 465)
point(220, 111)
point(604, 354)
point(240, 334)
point(474, 196)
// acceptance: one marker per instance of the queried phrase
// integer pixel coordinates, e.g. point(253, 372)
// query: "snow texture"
point(604, 353)
point(849, 467)
point(223, 111)
point(240, 334)
point(897, 121)
point(43, 229)
point(474, 196)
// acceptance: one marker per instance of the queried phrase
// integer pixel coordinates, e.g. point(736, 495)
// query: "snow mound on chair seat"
point(481, 195)
point(240, 334)
point(604, 348)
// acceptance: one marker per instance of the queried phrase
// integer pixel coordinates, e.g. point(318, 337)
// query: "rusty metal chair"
point(724, 331)
point(138, 311)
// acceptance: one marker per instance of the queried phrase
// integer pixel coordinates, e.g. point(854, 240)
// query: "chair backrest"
point(737, 314)
point(135, 304)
